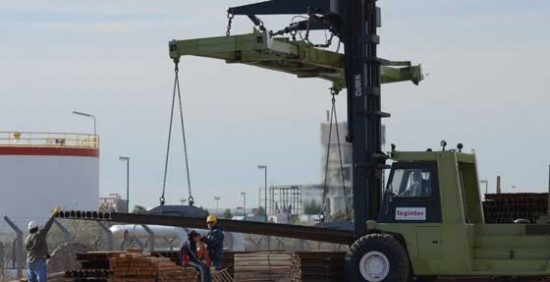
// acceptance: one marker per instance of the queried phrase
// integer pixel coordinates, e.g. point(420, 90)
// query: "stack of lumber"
point(505, 208)
point(322, 266)
point(57, 277)
point(275, 267)
point(137, 267)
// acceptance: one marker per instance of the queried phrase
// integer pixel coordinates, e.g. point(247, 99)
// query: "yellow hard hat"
point(211, 218)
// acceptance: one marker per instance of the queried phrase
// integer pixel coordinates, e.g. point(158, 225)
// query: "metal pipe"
point(486, 182)
point(88, 115)
point(260, 228)
point(498, 185)
point(264, 167)
point(14, 253)
point(127, 160)
point(244, 204)
point(217, 199)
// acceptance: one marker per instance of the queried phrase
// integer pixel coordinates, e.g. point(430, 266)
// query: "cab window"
point(411, 183)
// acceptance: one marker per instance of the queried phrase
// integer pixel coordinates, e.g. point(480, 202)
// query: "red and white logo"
point(410, 214)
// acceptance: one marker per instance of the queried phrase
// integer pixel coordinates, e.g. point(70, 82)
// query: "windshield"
point(410, 183)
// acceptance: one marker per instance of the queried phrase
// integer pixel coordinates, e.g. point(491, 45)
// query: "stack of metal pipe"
point(92, 215)
point(98, 273)
point(505, 208)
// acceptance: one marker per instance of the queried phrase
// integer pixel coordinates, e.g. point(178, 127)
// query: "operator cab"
point(421, 183)
point(412, 194)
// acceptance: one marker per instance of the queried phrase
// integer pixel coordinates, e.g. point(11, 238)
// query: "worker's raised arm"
point(49, 223)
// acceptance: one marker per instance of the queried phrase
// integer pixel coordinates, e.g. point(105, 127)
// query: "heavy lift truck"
point(428, 221)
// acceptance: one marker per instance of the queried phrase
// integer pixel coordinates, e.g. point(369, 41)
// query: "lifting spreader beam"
point(281, 54)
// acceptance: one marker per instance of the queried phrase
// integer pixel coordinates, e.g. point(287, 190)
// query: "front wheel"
point(377, 258)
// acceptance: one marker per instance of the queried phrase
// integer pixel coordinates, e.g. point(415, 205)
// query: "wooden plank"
point(267, 267)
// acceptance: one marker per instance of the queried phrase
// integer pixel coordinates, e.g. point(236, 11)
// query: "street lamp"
point(217, 199)
point(244, 204)
point(486, 182)
point(264, 167)
point(127, 160)
point(88, 115)
point(549, 181)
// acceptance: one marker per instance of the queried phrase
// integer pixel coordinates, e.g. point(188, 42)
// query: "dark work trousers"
point(203, 269)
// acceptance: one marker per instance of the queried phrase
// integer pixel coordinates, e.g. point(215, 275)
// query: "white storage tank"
point(39, 171)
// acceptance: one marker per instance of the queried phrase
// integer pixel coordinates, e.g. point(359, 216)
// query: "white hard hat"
point(32, 225)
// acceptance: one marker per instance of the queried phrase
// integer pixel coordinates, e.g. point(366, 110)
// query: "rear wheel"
point(377, 258)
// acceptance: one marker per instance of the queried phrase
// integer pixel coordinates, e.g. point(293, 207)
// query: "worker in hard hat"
point(214, 241)
point(37, 249)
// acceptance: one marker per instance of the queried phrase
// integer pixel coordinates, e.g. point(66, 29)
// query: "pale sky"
point(488, 87)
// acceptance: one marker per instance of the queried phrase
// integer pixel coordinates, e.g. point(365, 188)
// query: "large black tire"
point(381, 249)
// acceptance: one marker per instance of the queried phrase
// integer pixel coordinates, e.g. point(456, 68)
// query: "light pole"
point(549, 180)
point(244, 204)
point(127, 160)
point(217, 199)
point(264, 167)
point(486, 182)
point(88, 115)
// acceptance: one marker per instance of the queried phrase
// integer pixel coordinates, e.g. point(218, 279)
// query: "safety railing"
point(48, 139)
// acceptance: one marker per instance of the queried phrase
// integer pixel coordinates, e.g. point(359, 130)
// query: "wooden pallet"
point(221, 276)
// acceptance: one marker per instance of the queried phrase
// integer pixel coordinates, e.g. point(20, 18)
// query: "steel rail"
point(260, 228)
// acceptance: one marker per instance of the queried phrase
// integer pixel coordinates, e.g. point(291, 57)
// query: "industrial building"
point(338, 175)
point(113, 203)
point(40, 171)
point(293, 199)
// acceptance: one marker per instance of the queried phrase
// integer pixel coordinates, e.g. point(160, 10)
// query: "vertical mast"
point(363, 80)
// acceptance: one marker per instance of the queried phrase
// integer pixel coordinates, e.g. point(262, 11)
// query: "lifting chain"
point(177, 90)
point(310, 16)
point(261, 26)
point(190, 200)
point(327, 43)
point(334, 120)
point(293, 35)
point(333, 92)
point(230, 17)
point(162, 198)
